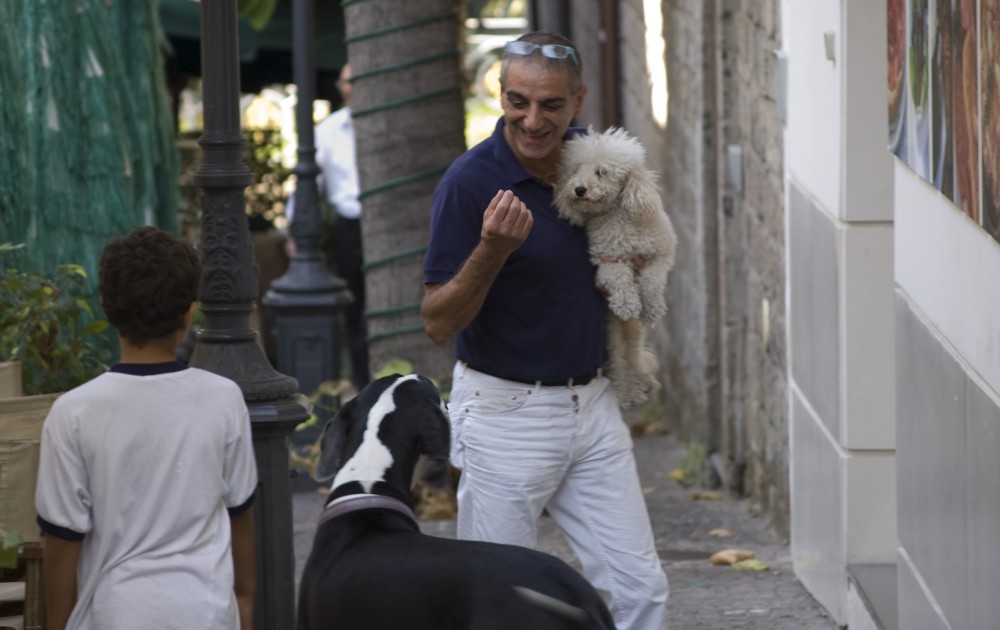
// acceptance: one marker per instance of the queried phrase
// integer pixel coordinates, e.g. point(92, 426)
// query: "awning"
point(265, 55)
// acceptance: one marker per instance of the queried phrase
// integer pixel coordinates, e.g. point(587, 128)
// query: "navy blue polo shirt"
point(543, 318)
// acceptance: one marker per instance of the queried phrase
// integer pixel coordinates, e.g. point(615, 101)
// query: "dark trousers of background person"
point(348, 258)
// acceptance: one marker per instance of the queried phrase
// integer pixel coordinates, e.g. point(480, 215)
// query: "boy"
point(147, 472)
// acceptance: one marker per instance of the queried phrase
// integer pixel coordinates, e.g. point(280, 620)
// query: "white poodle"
point(603, 185)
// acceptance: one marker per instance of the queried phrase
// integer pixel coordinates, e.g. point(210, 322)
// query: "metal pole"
point(307, 299)
point(307, 272)
point(227, 345)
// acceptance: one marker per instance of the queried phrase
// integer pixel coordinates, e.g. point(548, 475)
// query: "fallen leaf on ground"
point(720, 532)
point(648, 427)
point(648, 490)
point(707, 495)
point(731, 556)
point(676, 474)
point(751, 564)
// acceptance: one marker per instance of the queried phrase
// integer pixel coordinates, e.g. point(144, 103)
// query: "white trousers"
point(524, 448)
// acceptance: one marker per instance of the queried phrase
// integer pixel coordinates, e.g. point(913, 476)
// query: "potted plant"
point(48, 326)
point(50, 342)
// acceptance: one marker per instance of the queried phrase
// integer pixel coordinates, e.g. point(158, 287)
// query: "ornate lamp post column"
point(306, 300)
point(227, 344)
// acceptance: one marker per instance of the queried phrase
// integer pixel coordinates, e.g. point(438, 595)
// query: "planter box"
point(10, 379)
point(21, 420)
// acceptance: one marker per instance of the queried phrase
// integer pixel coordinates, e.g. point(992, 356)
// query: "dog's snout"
point(580, 191)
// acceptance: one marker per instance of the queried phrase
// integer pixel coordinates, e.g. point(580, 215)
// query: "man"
point(338, 181)
point(534, 423)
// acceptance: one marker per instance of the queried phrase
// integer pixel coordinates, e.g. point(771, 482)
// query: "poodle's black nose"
point(580, 191)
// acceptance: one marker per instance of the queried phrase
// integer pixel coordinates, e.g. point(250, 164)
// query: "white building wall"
point(948, 320)
point(840, 293)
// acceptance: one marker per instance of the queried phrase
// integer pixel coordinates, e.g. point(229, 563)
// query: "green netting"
point(87, 150)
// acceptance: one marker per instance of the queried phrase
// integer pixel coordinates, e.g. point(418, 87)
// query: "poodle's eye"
point(600, 171)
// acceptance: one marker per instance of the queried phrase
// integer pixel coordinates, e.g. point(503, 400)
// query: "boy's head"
point(148, 281)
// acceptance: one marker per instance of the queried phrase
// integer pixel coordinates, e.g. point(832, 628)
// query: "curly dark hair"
point(148, 281)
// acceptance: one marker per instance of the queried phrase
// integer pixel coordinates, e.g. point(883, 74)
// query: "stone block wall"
point(722, 344)
point(754, 375)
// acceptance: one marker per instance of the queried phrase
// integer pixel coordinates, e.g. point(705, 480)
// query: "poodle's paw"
point(632, 388)
point(631, 397)
point(654, 311)
point(648, 366)
point(625, 304)
point(650, 383)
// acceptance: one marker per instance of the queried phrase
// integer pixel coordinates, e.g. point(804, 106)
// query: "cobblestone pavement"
point(703, 596)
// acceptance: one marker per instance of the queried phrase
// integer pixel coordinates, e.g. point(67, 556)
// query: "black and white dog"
point(370, 568)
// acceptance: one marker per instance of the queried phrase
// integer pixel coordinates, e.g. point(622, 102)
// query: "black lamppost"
point(227, 344)
point(307, 299)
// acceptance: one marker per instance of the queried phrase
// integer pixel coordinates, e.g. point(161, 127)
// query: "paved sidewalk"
point(703, 596)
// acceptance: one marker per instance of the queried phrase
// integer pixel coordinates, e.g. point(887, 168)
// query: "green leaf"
point(95, 327)
point(73, 270)
point(257, 12)
point(311, 422)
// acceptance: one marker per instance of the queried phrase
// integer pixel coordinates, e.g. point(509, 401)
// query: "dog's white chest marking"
point(369, 463)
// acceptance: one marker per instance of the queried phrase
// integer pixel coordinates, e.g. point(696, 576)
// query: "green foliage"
point(395, 366)
point(10, 540)
point(404, 367)
point(692, 467)
point(47, 325)
point(263, 157)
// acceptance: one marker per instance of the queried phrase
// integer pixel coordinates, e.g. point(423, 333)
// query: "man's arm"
point(448, 308)
point(244, 565)
point(61, 559)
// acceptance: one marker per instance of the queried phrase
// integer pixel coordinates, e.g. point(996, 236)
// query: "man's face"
point(344, 84)
point(538, 106)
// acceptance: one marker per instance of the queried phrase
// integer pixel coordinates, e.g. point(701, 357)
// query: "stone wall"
point(754, 371)
point(722, 344)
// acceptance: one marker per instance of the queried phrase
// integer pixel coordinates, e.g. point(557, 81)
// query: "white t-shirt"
point(145, 468)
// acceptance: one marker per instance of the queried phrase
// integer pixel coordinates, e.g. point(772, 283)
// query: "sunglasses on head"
point(552, 51)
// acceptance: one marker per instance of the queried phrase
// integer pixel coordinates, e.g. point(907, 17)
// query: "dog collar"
point(355, 502)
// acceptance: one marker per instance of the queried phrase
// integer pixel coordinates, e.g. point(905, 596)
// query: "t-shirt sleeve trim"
point(59, 532)
point(243, 507)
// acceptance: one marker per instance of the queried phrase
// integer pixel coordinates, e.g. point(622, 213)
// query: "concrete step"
point(871, 597)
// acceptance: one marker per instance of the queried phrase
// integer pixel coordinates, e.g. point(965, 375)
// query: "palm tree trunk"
point(409, 120)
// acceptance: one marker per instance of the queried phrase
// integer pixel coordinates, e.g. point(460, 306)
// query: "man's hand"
point(506, 223)
point(448, 308)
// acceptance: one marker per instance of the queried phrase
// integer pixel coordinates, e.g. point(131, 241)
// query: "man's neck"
point(156, 351)
point(544, 170)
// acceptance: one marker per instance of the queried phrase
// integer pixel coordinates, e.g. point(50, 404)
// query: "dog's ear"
point(640, 197)
point(435, 438)
point(333, 441)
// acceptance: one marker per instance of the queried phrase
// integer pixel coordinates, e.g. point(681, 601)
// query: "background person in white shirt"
point(338, 182)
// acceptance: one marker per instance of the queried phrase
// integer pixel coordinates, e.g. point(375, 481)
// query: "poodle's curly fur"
point(603, 184)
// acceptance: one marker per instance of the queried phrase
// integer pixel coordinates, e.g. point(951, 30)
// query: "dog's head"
point(379, 435)
point(604, 172)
